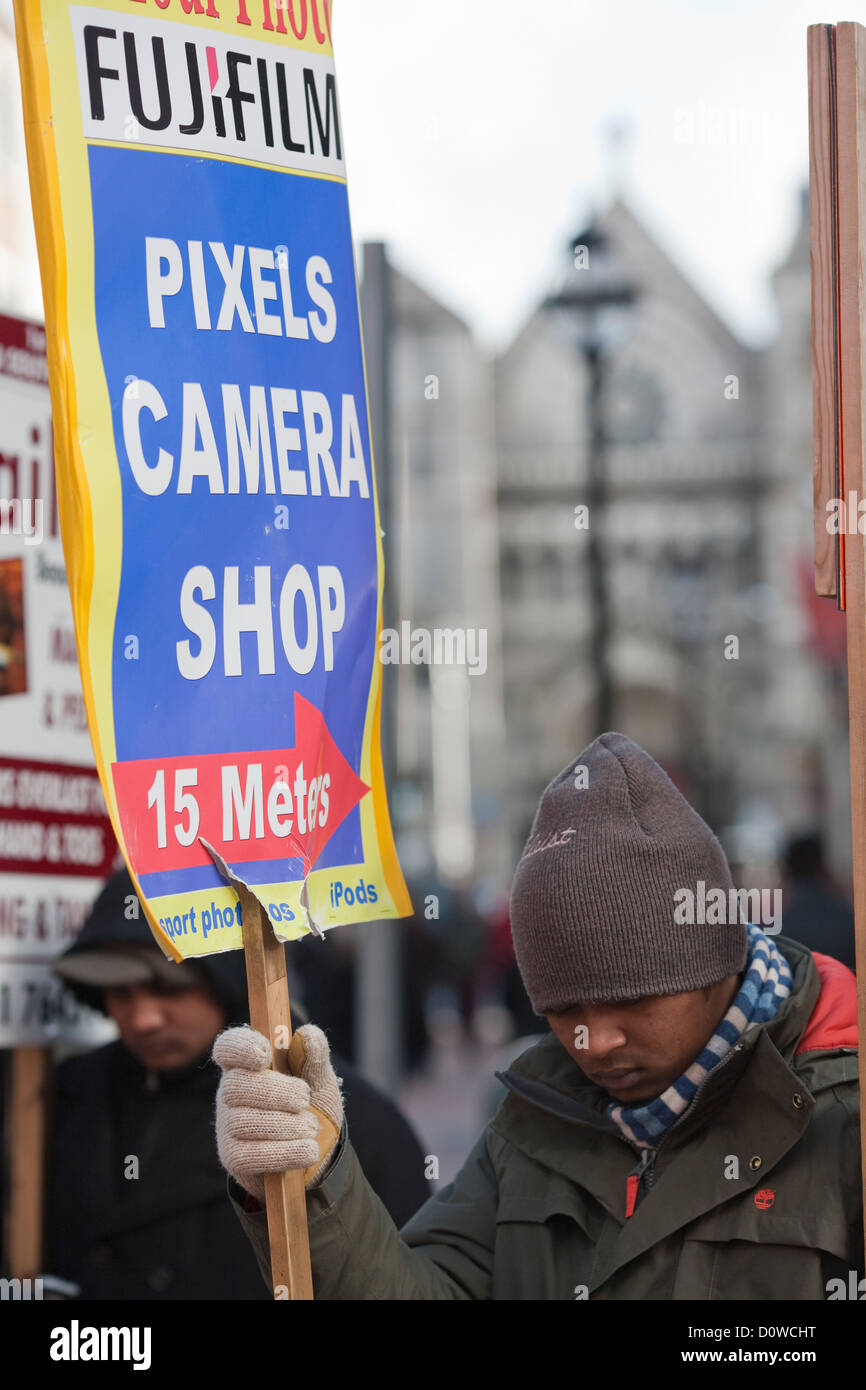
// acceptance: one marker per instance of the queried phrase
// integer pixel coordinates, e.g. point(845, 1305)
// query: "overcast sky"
point(475, 137)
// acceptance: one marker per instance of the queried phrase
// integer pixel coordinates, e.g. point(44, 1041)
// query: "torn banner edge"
point(238, 883)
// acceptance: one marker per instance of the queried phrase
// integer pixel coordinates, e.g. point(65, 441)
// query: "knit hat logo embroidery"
point(537, 843)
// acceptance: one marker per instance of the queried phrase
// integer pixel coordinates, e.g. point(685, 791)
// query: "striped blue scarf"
point(766, 983)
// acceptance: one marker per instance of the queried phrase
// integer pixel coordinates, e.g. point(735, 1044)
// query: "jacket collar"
point(833, 1023)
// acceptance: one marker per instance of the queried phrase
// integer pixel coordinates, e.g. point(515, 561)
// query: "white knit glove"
point(270, 1123)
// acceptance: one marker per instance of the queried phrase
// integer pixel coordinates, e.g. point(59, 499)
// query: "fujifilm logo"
point(151, 82)
point(76, 1343)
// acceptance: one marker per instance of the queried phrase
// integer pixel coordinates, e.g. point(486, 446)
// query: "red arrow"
point(279, 803)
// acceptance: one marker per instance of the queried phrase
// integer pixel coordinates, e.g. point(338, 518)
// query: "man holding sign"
point(688, 1129)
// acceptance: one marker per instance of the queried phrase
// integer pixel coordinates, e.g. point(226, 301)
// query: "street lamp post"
point(593, 308)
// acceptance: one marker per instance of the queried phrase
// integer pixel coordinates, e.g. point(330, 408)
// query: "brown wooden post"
point(823, 255)
point(851, 193)
point(268, 989)
point(269, 1014)
point(25, 1121)
point(844, 182)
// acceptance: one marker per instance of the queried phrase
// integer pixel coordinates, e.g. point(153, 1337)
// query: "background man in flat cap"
point(688, 1130)
point(137, 1199)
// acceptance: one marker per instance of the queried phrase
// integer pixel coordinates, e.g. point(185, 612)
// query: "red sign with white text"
point(278, 802)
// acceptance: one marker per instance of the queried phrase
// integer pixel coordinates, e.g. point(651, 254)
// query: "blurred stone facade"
point(678, 536)
point(705, 537)
point(451, 774)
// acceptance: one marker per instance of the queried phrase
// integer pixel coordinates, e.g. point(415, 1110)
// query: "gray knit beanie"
point(592, 901)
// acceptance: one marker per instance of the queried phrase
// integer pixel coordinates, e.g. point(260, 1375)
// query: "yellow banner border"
point(74, 498)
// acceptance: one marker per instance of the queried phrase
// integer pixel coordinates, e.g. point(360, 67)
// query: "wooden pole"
point(845, 47)
point(25, 1118)
point(851, 152)
point(285, 1197)
point(268, 989)
point(823, 256)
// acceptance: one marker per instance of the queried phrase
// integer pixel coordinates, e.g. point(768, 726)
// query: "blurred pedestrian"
point(814, 913)
point(461, 939)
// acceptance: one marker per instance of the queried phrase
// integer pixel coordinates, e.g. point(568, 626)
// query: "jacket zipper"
point(644, 1172)
point(633, 1181)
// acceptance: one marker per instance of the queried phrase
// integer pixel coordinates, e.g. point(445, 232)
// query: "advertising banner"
point(216, 480)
